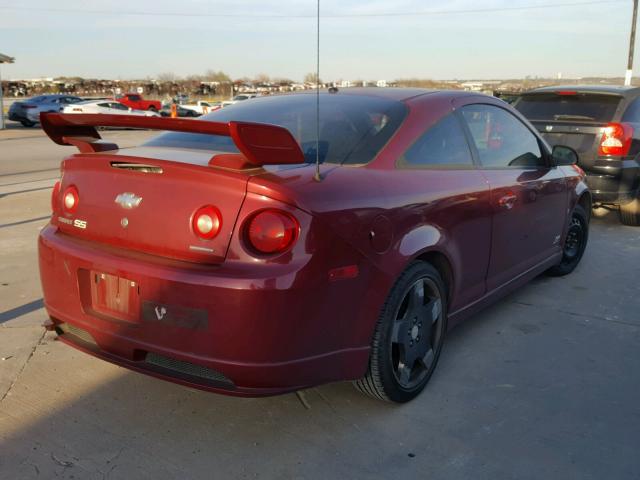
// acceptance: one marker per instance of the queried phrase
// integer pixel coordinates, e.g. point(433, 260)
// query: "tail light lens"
point(70, 199)
point(55, 197)
point(207, 222)
point(272, 231)
point(616, 139)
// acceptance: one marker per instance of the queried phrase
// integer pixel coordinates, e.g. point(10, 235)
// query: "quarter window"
point(501, 139)
point(632, 114)
point(444, 144)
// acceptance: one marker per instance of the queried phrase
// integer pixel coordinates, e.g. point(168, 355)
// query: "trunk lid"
point(583, 138)
point(571, 118)
point(171, 185)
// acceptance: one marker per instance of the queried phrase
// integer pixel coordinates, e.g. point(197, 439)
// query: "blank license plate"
point(115, 296)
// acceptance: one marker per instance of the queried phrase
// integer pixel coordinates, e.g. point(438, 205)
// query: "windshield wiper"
point(573, 117)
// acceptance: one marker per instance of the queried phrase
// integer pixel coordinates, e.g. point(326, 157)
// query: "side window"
point(105, 105)
point(444, 144)
point(501, 139)
point(632, 113)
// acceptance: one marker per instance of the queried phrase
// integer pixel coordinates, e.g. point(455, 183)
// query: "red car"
point(215, 257)
point(135, 101)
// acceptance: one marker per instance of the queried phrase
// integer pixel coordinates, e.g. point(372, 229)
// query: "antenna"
point(317, 177)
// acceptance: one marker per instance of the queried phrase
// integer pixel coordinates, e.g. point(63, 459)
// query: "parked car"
point(216, 255)
point(135, 101)
point(602, 123)
point(106, 107)
point(27, 112)
point(181, 111)
point(202, 107)
point(240, 98)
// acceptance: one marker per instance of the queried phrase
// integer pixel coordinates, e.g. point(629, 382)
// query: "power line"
point(313, 15)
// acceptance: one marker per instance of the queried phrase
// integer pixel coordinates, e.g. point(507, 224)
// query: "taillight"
point(70, 199)
point(272, 231)
point(206, 222)
point(55, 197)
point(616, 139)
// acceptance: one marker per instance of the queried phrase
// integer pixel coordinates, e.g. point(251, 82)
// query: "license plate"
point(115, 296)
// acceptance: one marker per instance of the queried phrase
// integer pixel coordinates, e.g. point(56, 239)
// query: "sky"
point(370, 40)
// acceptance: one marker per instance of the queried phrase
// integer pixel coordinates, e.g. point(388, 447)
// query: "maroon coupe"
point(216, 256)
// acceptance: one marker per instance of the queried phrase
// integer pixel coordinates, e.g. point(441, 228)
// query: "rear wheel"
point(408, 336)
point(630, 213)
point(152, 109)
point(574, 244)
point(27, 123)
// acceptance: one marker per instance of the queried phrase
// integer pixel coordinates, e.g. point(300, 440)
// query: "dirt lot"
point(544, 384)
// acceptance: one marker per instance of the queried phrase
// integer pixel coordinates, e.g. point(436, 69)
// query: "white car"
point(106, 106)
point(240, 97)
point(202, 107)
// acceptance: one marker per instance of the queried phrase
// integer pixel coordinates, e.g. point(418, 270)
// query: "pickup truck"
point(135, 101)
point(202, 107)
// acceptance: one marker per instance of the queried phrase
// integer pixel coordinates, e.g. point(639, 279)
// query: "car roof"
point(603, 89)
point(51, 96)
point(392, 93)
point(89, 102)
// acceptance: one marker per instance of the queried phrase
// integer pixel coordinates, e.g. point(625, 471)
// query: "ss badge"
point(80, 223)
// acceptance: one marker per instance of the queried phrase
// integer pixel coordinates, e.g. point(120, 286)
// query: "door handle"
point(508, 201)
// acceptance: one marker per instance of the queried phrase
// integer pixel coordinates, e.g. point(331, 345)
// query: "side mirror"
point(563, 155)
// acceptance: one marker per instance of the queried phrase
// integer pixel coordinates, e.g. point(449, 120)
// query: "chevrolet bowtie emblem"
point(128, 200)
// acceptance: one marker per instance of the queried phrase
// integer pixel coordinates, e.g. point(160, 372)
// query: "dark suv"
point(602, 123)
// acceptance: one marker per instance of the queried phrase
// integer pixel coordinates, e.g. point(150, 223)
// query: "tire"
point(574, 243)
point(152, 109)
point(400, 338)
point(27, 123)
point(630, 213)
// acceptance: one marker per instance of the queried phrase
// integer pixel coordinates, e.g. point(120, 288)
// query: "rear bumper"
point(259, 336)
point(614, 181)
point(17, 116)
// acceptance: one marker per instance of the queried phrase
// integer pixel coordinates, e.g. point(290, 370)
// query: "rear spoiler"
point(259, 144)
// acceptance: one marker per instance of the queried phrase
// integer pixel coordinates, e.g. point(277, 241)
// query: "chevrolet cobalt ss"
point(217, 256)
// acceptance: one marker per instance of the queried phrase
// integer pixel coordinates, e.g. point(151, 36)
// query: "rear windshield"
point(587, 107)
point(353, 129)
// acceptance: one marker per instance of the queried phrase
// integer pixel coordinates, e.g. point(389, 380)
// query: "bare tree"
point(167, 77)
point(216, 76)
point(312, 78)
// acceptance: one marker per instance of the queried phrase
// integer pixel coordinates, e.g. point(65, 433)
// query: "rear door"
point(528, 196)
point(571, 118)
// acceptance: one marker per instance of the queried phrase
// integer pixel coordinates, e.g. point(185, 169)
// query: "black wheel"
point(574, 243)
point(27, 123)
point(408, 337)
point(630, 213)
point(152, 109)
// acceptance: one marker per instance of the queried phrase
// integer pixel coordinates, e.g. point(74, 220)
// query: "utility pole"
point(632, 42)
point(1, 105)
point(3, 59)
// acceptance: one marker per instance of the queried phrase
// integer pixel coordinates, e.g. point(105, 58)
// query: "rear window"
point(353, 129)
point(581, 107)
